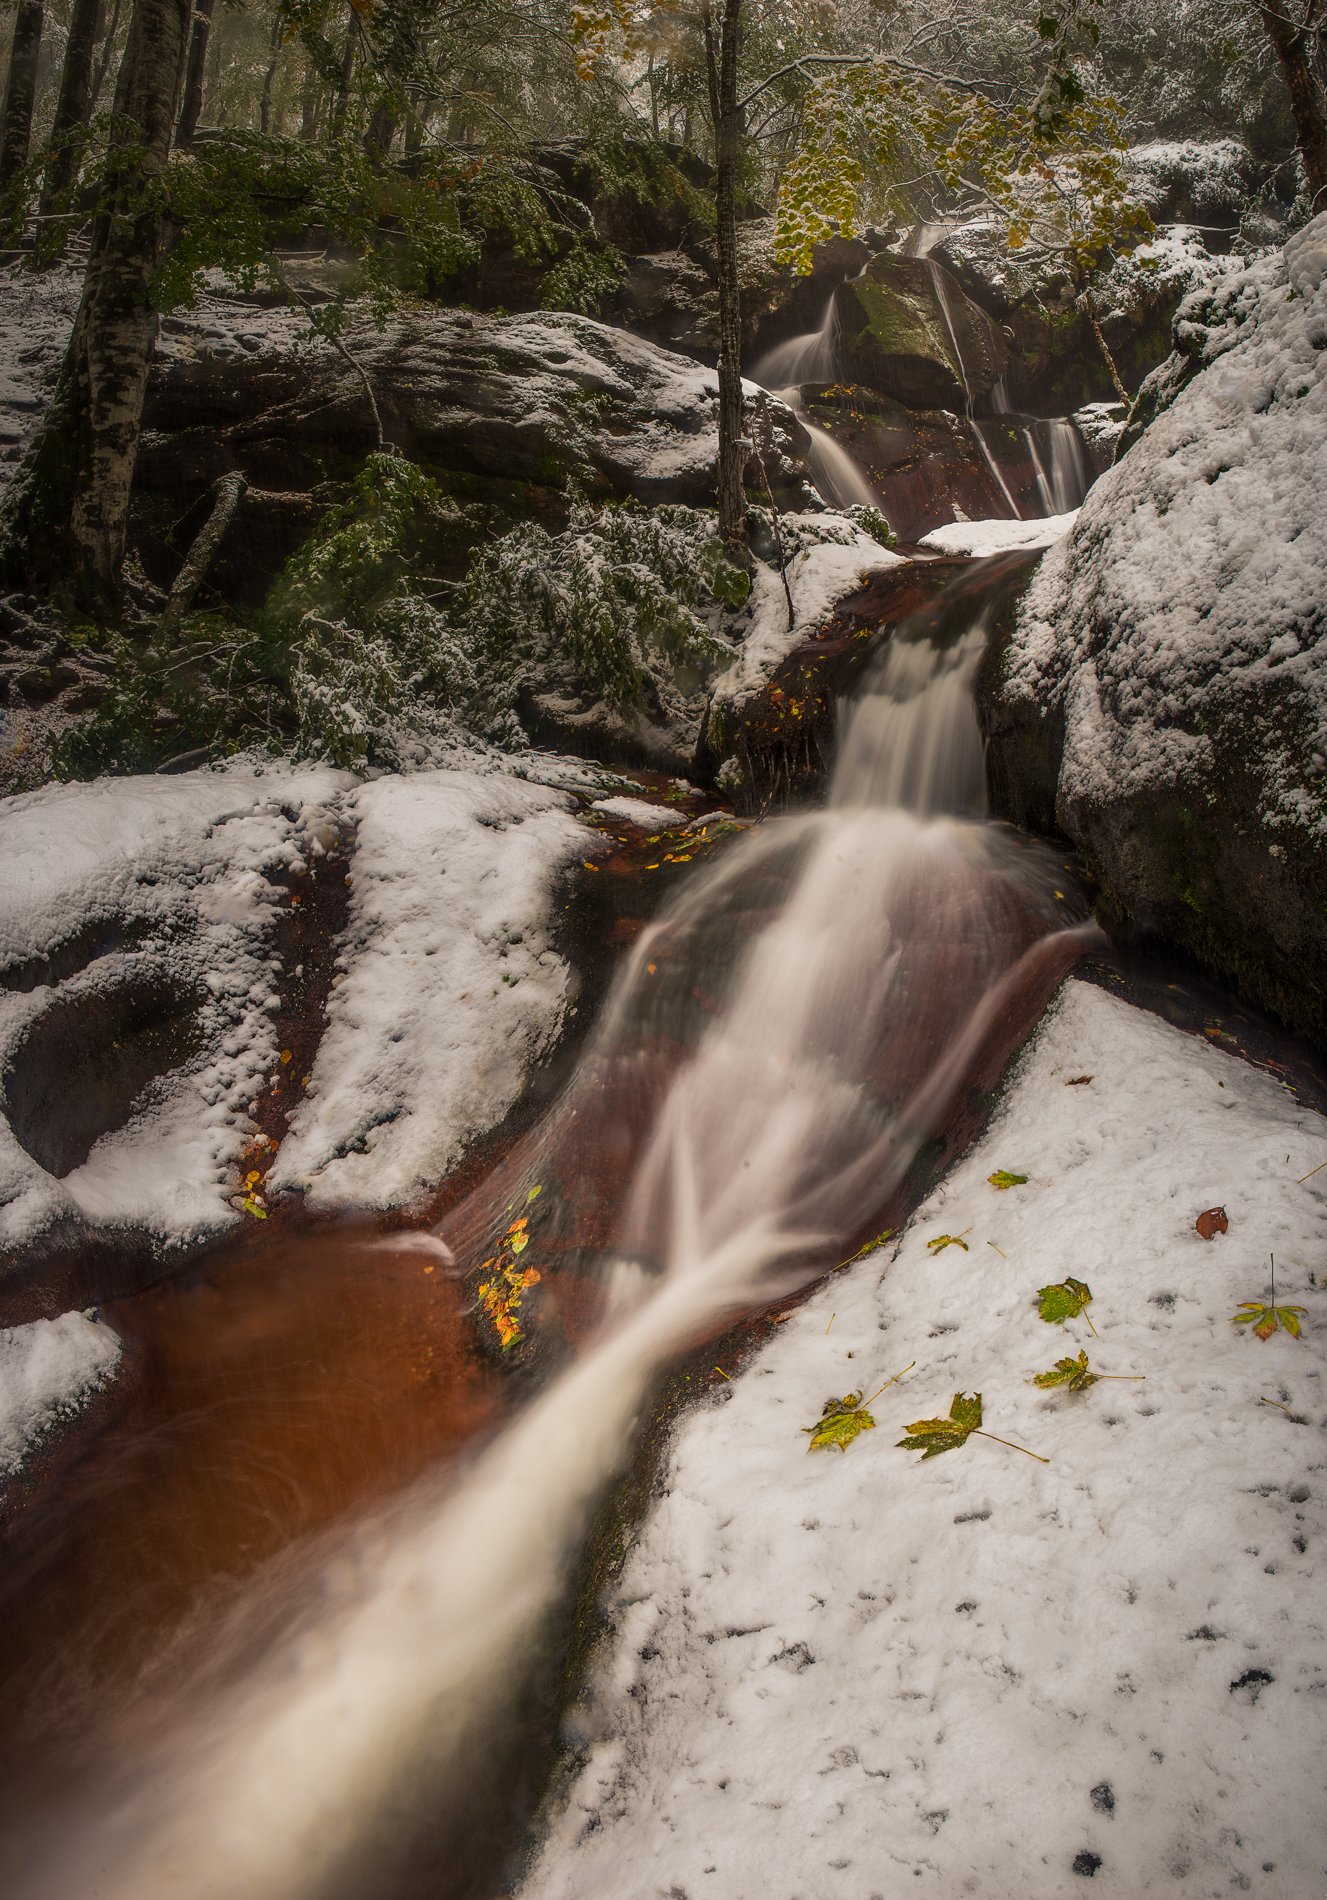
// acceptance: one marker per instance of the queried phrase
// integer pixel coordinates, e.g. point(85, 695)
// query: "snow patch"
point(837, 1676)
point(48, 1371)
point(448, 988)
point(638, 813)
point(998, 537)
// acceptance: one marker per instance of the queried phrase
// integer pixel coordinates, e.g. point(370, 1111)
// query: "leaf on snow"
point(1211, 1222)
point(1074, 1374)
point(942, 1241)
point(931, 1436)
point(839, 1423)
point(1265, 1319)
point(1064, 1299)
point(1002, 1179)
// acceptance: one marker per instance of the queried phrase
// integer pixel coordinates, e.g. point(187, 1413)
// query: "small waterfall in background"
point(783, 371)
point(1054, 446)
point(910, 932)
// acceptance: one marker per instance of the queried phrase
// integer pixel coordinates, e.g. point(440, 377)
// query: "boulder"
point(1163, 697)
point(906, 328)
point(506, 411)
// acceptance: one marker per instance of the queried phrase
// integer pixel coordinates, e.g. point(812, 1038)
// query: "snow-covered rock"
point(1169, 663)
point(831, 1678)
point(138, 982)
point(48, 1372)
point(998, 537)
point(448, 988)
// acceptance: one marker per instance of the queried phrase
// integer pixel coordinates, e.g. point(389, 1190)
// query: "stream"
point(297, 1600)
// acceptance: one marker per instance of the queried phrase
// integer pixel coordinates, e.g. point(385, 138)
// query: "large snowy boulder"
point(505, 411)
point(1165, 689)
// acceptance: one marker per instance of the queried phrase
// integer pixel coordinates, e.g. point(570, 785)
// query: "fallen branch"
point(201, 555)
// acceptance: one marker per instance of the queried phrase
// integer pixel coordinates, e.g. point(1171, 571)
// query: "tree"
point(1295, 30)
point(20, 90)
point(867, 115)
point(65, 520)
point(73, 108)
point(191, 106)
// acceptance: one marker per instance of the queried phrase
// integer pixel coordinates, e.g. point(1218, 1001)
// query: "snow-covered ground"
point(122, 889)
point(998, 537)
point(846, 1677)
point(448, 989)
point(48, 1370)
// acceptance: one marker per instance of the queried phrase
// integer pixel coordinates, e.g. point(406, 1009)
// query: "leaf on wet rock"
point(1211, 1222)
point(1003, 1179)
point(839, 1423)
point(1265, 1319)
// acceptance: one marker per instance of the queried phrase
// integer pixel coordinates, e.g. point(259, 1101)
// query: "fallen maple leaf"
point(1076, 1375)
point(942, 1241)
point(1002, 1179)
point(1077, 1081)
point(1211, 1222)
point(839, 1423)
point(1265, 1319)
point(931, 1436)
point(1065, 1299)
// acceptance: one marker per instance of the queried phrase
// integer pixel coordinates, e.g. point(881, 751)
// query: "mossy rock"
point(906, 328)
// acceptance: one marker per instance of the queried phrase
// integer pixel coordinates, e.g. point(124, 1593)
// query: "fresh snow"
point(829, 557)
point(448, 988)
point(48, 1370)
point(838, 1677)
point(997, 537)
point(1192, 583)
point(637, 812)
point(122, 884)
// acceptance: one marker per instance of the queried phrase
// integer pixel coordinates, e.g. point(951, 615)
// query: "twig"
point(888, 1382)
point(977, 1432)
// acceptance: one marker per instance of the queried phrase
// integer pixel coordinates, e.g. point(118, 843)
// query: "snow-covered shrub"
point(609, 610)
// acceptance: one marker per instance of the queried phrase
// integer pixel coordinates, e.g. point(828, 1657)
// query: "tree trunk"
point(381, 135)
point(73, 108)
point(64, 523)
point(269, 77)
point(1293, 46)
point(20, 90)
point(721, 43)
point(107, 54)
point(191, 109)
point(341, 103)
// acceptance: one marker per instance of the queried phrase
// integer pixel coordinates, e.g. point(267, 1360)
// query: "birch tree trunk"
point(191, 108)
point(20, 90)
point(722, 39)
point(1293, 46)
point(65, 520)
point(73, 108)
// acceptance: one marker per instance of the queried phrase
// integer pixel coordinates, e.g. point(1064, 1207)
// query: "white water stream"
point(907, 928)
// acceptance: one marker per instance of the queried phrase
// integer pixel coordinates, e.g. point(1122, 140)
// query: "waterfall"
point(910, 929)
point(784, 370)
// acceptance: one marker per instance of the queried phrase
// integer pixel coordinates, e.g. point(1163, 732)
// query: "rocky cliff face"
point(1164, 695)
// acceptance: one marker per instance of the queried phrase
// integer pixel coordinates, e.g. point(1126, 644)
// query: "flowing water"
point(784, 370)
point(907, 932)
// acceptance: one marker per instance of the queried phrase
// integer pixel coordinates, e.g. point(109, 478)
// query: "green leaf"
point(1265, 1319)
point(1002, 1179)
point(839, 1423)
point(1074, 1374)
point(931, 1436)
point(1063, 1300)
point(942, 1241)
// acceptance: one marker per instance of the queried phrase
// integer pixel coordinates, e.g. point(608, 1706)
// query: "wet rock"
point(907, 329)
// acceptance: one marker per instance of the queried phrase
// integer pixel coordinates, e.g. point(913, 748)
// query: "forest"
point(663, 836)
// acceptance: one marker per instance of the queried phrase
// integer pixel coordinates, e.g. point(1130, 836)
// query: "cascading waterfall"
point(784, 370)
point(911, 925)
